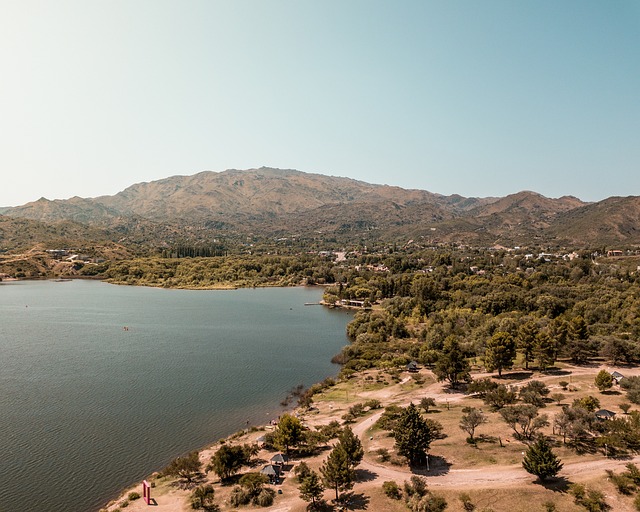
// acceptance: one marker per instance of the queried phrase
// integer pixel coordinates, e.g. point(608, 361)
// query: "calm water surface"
point(87, 407)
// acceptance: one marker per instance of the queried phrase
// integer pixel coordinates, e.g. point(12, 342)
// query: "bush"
point(623, 483)
point(264, 498)
point(392, 490)
point(332, 430)
point(133, 496)
point(467, 504)
point(373, 404)
point(239, 497)
point(124, 504)
point(590, 499)
point(383, 454)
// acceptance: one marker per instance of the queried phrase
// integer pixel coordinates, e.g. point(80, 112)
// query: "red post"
point(146, 492)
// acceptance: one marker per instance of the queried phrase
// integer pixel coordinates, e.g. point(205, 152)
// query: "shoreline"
point(122, 494)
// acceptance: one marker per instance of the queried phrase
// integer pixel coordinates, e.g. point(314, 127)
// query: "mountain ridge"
point(272, 202)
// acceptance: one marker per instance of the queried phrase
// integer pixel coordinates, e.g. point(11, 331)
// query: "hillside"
point(271, 203)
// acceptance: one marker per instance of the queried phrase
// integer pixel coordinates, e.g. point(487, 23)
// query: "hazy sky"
point(472, 97)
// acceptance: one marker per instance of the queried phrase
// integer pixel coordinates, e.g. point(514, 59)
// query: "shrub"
point(633, 473)
point(383, 454)
point(590, 499)
point(392, 490)
point(133, 496)
point(467, 504)
point(239, 497)
point(264, 498)
point(124, 504)
point(332, 430)
point(623, 483)
point(373, 404)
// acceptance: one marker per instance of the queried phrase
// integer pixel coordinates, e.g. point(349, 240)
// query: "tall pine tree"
point(541, 461)
point(413, 435)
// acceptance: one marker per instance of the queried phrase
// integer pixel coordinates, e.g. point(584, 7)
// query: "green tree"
point(427, 402)
point(471, 419)
point(228, 460)
point(352, 446)
point(500, 352)
point(202, 498)
point(336, 471)
point(311, 488)
point(413, 435)
point(545, 350)
point(289, 432)
point(589, 403)
point(187, 467)
point(539, 460)
point(578, 329)
point(604, 380)
point(524, 420)
point(534, 393)
point(500, 396)
point(452, 365)
point(526, 340)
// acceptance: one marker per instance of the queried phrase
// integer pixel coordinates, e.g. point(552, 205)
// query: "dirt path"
point(502, 476)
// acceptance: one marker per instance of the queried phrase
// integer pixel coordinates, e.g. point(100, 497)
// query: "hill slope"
point(276, 202)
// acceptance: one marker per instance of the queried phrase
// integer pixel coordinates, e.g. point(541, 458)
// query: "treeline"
point(221, 271)
point(187, 251)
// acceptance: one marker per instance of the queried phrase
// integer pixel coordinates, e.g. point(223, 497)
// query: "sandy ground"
point(171, 499)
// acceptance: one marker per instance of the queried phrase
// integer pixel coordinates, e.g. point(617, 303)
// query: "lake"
point(101, 385)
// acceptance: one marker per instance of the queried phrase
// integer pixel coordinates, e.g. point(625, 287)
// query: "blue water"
point(87, 407)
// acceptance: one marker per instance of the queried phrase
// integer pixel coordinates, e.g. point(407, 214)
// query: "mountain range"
point(281, 203)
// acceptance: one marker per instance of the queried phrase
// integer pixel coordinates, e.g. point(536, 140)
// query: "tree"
point(471, 419)
point(452, 365)
point(336, 471)
point(539, 460)
point(253, 482)
point(352, 446)
point(413, 435)
point(481, 387)
point(229, 459)
point(589, 403)
point(526, 339)
point(617, 350)
point(524, 420)
point(534, 393)
point(202, 498)
point(574, 422)
point(604, 380)
point(311, 488)
point(500, 352)
point(545, 350)
point(289, 432)
point(187, 467)
point(427, 402)
point(500, 396)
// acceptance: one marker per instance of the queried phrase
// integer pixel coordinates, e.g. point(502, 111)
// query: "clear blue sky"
point(473, 97)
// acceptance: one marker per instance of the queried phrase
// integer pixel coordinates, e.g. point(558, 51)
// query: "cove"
point(100, 385)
